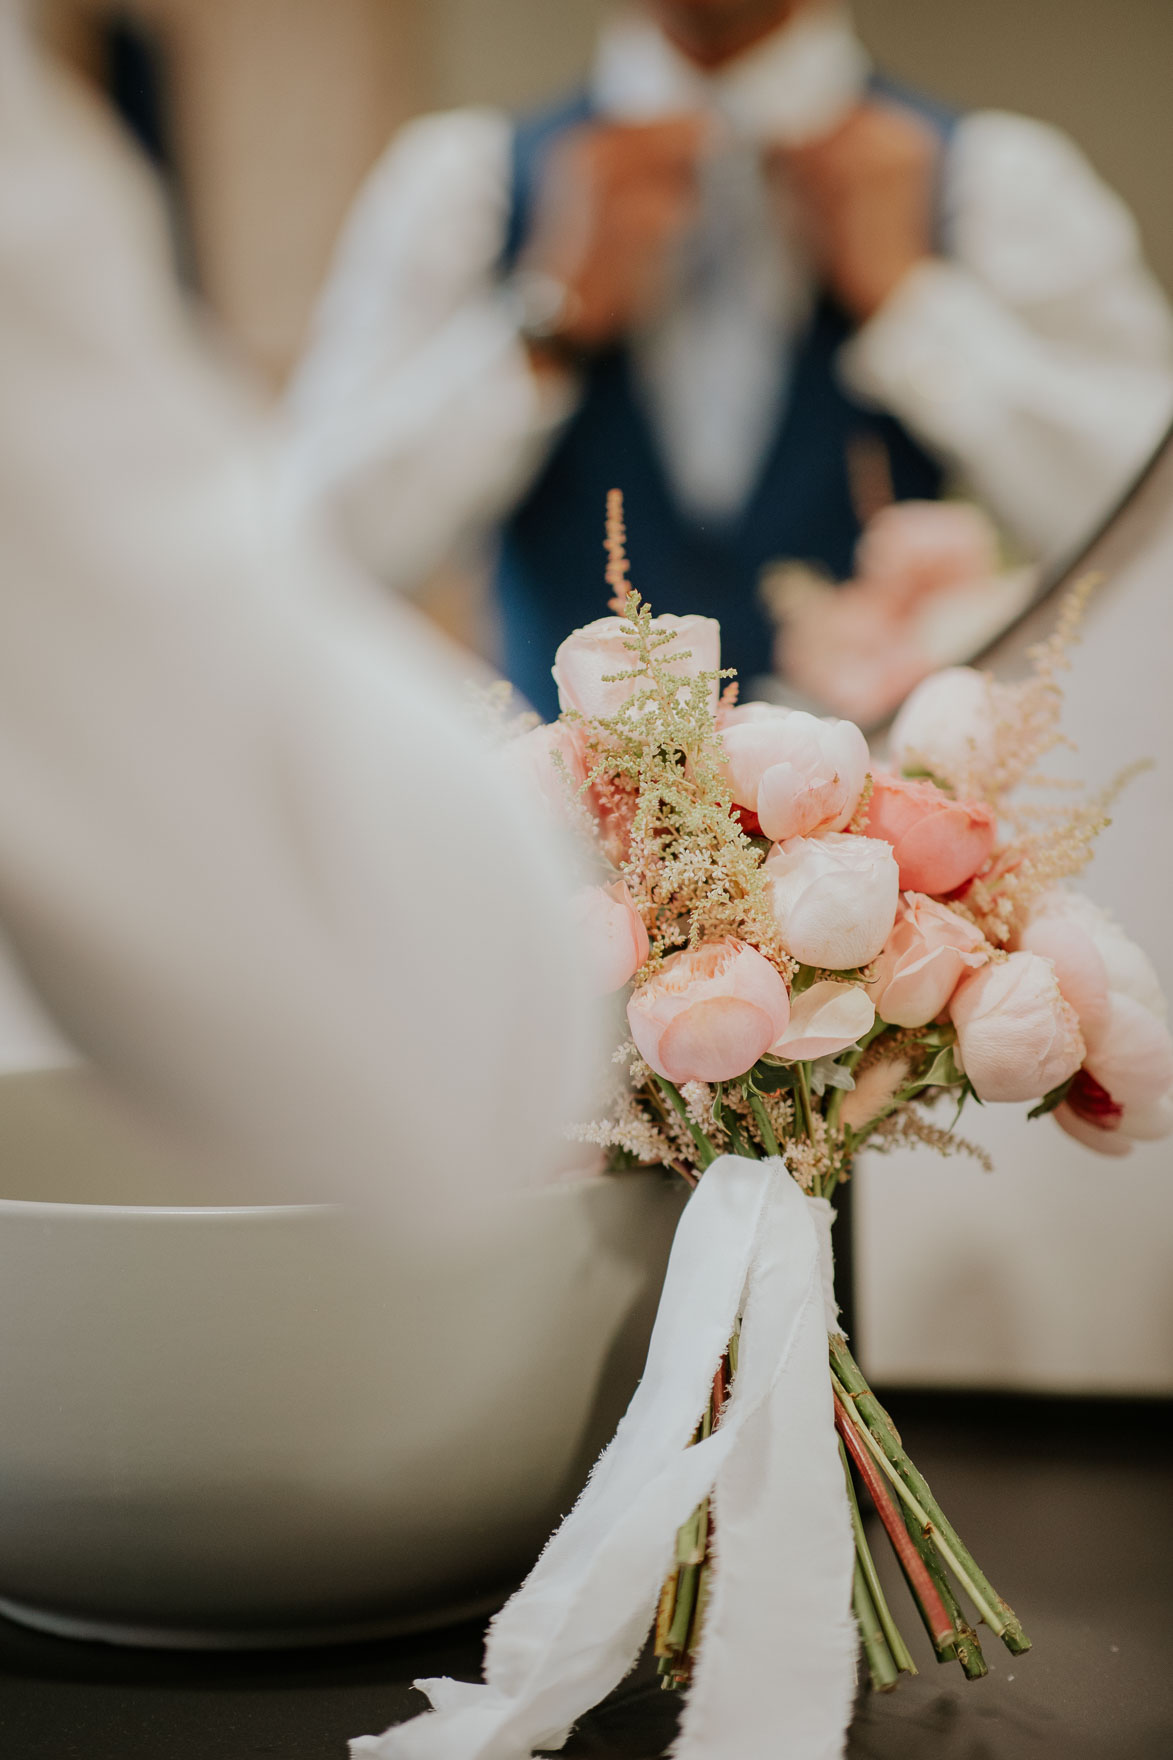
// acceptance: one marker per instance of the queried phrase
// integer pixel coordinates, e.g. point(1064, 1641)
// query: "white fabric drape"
point(776, 1669)
point(252, 856)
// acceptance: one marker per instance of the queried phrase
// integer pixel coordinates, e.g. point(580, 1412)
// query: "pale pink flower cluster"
point(866, 875)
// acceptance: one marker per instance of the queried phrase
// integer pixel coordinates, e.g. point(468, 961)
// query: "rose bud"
point(834, 897)
point(824, 1020)
point(946, 725)
point(548, 760)
point(1016, 1036)
point(601, 649)
point(940, 843)
point(798, 774)
point(709, 1013)
point(923, 960)
point(612, 934)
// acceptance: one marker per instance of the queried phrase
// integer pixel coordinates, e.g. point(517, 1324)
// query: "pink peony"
point(549, 760)
point(612, 934)
point(917, 548)
point(946, 725)
point(924, 959)
point(709, 1013)
point(1131, 1054)
point(939, 843)
point(824, 1020)
point(798, 774)
point(1124, 1092)
point(1016, 1036)
point(834, 897)
point(593, 654)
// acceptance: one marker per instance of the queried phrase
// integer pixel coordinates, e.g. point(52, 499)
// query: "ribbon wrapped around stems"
point(776, 1668)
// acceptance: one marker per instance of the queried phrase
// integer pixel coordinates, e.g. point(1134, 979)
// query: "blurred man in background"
point(751, 281)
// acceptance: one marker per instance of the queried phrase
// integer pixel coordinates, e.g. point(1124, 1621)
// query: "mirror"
point(902, 354)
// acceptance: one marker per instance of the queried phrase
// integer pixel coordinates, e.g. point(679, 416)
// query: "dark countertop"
point(1068, 1505)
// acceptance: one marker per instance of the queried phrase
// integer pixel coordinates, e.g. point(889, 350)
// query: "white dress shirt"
point(253, 860)
point(1035, 360)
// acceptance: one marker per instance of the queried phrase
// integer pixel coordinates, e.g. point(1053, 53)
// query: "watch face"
point(544, 303)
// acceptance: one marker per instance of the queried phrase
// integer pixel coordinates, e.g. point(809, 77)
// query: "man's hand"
point(614, 200)
point(865, 201)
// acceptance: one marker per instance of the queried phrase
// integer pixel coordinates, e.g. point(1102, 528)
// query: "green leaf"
point(1049, 1101)
point(767, 1077)
point(944, 1071)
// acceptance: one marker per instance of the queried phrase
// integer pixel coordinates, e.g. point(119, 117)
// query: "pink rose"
point(549, 761)
point(593, 654)
point(918, 548)
point(834, 897)
point(709, 1013)
point(946, 725)
point(799, 774)
point(940, 843)
point(612, 934)
point(824, 1020)
point(1016, 1036)
point(924, 959)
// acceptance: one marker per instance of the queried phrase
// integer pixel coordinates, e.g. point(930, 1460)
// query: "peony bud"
point(549, 761)
point(612, 933)
point(709, 1013)
point(593, 654)
point(946, 725)
point(1016, 1036)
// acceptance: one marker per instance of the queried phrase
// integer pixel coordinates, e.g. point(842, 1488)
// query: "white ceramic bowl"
point(242, 1425)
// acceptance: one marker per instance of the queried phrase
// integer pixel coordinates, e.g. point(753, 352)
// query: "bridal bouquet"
point(817, 954)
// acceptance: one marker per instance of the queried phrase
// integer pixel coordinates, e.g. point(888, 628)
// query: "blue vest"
point(549, 575)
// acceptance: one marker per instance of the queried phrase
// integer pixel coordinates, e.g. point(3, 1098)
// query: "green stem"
point(967, 1649)
point(867, 1564)
point(769, 1140)
point(914, 1492)
point(676, 1100)
point(881, 1664)
point(804, 1097)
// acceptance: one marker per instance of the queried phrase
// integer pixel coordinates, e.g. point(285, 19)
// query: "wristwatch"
point(544, 309)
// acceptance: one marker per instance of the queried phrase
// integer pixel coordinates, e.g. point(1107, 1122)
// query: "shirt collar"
point(795, 85)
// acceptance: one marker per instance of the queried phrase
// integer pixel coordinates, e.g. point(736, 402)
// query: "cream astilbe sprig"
point(1025, 715)
point(1059, 848)
point(692, 871)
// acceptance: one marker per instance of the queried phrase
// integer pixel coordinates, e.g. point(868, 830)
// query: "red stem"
point(940, 1625)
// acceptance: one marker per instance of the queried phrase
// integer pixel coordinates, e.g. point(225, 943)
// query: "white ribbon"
point(775, 1673)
